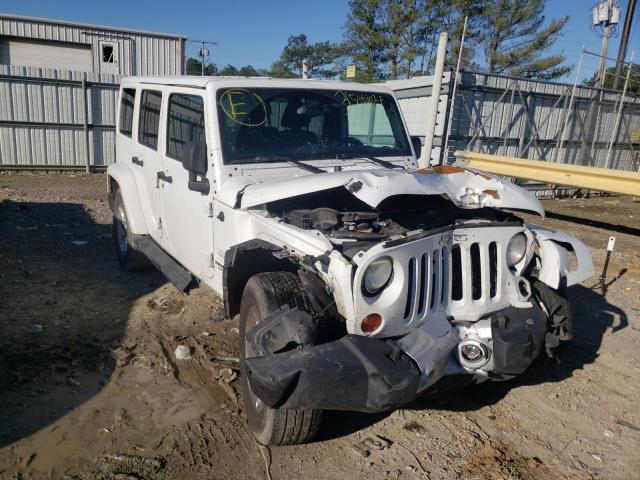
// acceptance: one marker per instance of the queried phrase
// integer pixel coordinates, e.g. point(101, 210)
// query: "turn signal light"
point(371, 322)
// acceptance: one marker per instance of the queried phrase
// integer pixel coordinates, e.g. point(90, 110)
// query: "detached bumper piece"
point(518, 338)
point(353, 373)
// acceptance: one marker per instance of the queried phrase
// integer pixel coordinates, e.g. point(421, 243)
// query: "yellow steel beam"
point(592, 178)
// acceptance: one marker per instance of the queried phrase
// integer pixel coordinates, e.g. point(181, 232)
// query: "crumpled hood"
point(466, 188)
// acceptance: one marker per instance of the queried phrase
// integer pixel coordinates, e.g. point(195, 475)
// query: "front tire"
point(128, 256)
point(265, 293)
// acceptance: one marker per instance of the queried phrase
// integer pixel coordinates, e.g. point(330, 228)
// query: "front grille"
point(427, 283)
point(460, 273)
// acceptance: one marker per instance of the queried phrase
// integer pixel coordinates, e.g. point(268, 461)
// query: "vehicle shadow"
point(593, 316)
point(64, 305)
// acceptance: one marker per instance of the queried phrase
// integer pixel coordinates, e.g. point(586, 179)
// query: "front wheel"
point(265, 293)
point(128, 257)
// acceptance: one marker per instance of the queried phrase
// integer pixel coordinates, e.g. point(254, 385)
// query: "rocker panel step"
point(175, 273)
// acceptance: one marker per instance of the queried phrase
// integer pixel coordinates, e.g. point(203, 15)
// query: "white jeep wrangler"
point(361, 280)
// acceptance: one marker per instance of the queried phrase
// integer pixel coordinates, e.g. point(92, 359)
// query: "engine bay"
point(349, 222)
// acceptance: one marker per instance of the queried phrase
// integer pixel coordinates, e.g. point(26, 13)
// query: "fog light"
point(471, 352)
point(371, 322)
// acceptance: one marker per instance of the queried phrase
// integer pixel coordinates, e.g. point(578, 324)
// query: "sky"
point(254, 32)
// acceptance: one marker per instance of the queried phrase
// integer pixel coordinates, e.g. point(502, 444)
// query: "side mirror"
point(417, 145)
point(194, 158)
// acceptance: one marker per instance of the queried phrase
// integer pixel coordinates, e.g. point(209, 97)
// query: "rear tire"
point(263, 294)
point(128, 256)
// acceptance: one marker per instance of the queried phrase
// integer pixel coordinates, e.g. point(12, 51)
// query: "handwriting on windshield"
point(358, 98)
point(244, 107)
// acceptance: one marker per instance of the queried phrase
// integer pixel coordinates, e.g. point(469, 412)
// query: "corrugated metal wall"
point(42, 117)
point(540, 120)
point(140, 53)
point(529, 119)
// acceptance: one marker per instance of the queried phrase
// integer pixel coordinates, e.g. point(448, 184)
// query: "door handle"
point(164, 177)
point(136, 161)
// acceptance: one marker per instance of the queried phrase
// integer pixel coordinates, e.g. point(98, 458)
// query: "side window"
point(149, 120)
point(185, 123)
point(127, 100)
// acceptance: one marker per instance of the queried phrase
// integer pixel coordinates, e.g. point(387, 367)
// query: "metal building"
point(80, 47)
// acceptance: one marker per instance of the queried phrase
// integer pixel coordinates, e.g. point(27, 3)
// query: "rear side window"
point(149, 118)
point(185, 123)
point(127, 100)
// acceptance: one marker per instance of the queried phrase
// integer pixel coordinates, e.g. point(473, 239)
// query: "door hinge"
point(212, 261)
point(210, 209)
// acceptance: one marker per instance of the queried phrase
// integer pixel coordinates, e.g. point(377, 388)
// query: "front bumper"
point(368, 374)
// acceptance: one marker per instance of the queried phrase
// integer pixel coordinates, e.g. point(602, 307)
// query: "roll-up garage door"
point(36, 53)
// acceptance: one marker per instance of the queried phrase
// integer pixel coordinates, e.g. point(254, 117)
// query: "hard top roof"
point(263, 82)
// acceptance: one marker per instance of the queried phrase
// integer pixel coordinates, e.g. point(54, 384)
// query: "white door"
point(187, 219)
point(109, 57)
point(145, 159)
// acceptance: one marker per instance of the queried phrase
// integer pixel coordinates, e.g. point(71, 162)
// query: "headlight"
point(516, 249)
point(377, 275)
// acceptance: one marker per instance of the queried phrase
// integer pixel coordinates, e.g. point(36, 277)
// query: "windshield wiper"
point(309, 168)
point(382, 163)
point(378, 161)
point(288, 159)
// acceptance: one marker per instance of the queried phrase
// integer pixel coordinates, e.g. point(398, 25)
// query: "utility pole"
point(203, 52)
point(605, 17)
point(624, 40)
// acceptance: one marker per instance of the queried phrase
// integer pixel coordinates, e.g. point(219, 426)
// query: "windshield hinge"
point(210, 214)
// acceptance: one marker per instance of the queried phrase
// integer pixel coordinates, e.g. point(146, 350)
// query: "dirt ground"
point(90, 387)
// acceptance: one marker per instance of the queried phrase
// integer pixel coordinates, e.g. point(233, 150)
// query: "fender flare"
point(554, 258)
point(123, 177)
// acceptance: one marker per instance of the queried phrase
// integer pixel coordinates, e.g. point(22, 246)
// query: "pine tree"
point(319, 57)
point(364, 41)
point(515, 39)
point(472, 10)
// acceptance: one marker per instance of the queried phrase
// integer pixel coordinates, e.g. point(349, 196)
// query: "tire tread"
point(289, 426)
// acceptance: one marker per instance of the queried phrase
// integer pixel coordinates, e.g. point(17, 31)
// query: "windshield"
point(276, 124)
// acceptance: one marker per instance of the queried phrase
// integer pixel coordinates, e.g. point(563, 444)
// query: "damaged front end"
point(358, 373)
point(460, 287)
